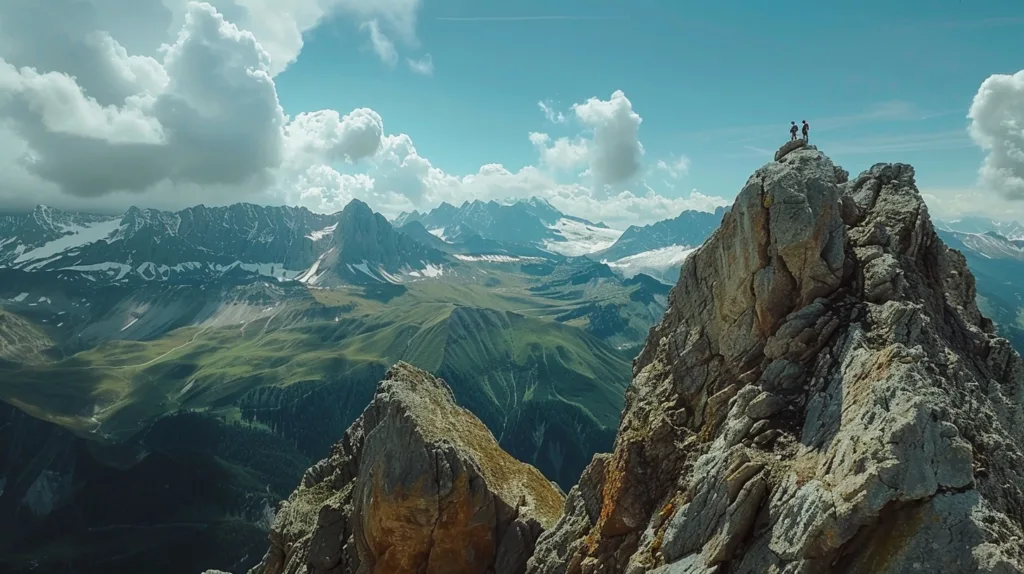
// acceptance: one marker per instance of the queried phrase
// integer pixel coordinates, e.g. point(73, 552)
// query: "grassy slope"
point(273, 369)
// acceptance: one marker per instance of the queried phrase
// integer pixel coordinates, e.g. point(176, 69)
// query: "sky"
point(623, 112)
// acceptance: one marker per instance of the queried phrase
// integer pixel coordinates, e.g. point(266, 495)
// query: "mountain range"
point(214, 352)
point(822, 394)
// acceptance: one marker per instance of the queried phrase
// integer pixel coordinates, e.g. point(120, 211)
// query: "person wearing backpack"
point(792, 132)
point(805, 129)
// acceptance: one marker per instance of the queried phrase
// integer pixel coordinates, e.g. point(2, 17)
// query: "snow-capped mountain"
point(162, 245)
point(364, 248)
point(47, 231)
point(997, 264)
point(355, 245)
point(533, 222)
point(688, 230)
point(971, 224)
point(195, 243)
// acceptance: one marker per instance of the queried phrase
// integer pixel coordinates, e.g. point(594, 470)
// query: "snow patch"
point(78, 236)
point(320, 234)
point(498, 258)
point(108, 267)
point(21, 297)
point(130, 323)
point(438, 233)
point(310, 276)
point(654, 262)
point(391, 278)
point(432, 270)
point(580, 238)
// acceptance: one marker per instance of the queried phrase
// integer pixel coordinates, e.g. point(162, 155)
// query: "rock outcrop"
point(416, 485)
point(822, 395)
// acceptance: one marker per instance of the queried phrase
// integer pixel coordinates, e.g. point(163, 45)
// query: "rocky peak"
point(417, 484)
point(822, 395)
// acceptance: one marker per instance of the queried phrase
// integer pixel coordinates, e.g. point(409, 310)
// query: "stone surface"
point(790, 146)
point(889, 417)
point(416, 485)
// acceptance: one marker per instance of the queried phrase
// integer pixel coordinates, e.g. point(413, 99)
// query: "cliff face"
point(822, 395)
point(417, 484)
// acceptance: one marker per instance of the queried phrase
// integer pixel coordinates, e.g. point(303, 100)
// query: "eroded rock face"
point(822, 395)
point(416, 485)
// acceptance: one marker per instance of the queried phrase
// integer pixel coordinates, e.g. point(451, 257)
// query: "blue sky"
point(176, 103)
point(877, 80)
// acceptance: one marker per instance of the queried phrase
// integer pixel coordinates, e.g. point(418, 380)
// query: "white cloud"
point(382, 45)
point(997, 125)
point(60, 106)
point(552, 116)
point(424, 66)
point(50, 34)
point(215, 120)
point(616, 152)
point(560, 154)
point(94, 116)
point(325, 136)
point(950, 203)
point(675, 167)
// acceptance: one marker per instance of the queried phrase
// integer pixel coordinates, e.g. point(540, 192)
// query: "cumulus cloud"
point(424, 66)
point(182, 108)
point(560, 154)
point(997, 125)
point(616, 152)
point(215, 120)
point(327, 137)
point(51, 34)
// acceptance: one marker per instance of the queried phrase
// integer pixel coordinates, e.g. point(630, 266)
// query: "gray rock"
point(788, 147)
point(900, 447)
point(765, 405)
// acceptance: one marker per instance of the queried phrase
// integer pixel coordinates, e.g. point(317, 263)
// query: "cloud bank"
point(997, 126)
point(180, 107)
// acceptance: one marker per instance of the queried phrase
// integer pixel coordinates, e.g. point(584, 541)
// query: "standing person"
point(792, 131)
point(806, 128)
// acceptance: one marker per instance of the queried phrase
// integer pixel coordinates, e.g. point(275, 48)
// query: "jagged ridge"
point(822, 395)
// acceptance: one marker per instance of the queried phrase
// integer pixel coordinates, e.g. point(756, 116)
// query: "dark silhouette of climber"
point(792, 132)
point(805, 129)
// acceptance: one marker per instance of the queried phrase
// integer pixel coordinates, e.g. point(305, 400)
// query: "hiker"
point(806, 128)
point(792, 132)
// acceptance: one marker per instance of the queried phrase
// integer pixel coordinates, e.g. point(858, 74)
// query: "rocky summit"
point(416, 485)
point(822, 395)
